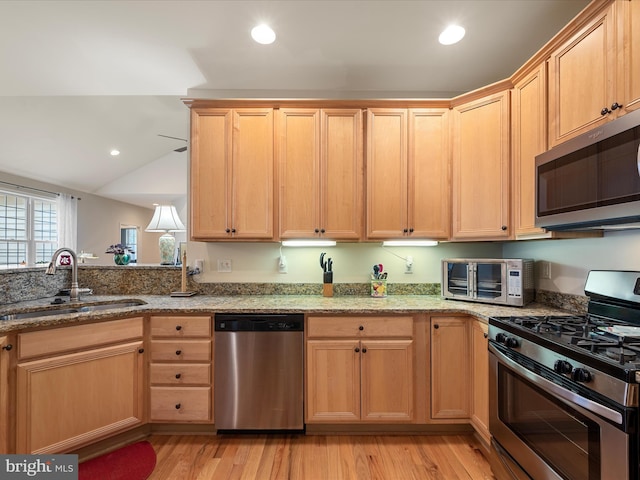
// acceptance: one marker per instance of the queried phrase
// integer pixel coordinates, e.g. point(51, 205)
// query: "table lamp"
point(165, 219)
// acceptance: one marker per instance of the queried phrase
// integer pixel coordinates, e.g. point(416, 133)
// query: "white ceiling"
point(80, 78)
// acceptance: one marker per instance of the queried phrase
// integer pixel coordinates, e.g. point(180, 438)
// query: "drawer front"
point(65, 339)
point(360, 327)
point(181, 373)
point(177, 327)
point(181, 350)
point(187, 404)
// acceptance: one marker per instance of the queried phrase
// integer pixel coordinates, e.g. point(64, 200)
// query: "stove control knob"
point(512, 342)
point(501, 338)
point(562, 366)
point(581, 375)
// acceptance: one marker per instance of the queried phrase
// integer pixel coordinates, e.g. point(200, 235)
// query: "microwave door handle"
point(638, 160)
point(557, 390)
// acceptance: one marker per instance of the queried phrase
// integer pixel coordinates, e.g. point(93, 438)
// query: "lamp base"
point(167, 243)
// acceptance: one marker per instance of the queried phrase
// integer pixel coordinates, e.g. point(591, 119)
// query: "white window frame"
point(30, 242)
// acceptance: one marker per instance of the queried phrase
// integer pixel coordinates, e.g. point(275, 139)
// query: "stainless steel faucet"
point(74, 294)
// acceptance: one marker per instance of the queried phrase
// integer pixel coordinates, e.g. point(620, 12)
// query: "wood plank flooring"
point(318, 457)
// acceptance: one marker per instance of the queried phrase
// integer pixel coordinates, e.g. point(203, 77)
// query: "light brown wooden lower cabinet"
point(71, 400)
point(360, 379)
point(450, 368)
point(480, 379)
point(5, 423)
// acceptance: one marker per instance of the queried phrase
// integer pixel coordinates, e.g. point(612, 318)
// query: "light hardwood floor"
point(318, 457)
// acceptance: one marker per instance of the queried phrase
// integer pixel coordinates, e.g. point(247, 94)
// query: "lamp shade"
point(165, 219)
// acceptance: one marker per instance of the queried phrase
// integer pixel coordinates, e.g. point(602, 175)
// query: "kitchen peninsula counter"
point(310, 304)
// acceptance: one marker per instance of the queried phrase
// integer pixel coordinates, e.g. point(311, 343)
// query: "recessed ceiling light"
point(263, 34)
point(452, 34)
point(114, 152)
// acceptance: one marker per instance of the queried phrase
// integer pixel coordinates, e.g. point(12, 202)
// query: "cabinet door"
point(333, 381)
point(529, 138)
point(342, 174)
point(299, 172)
point(5, 417)
point(69, 401)
point(429, 213)
point(252, 174)
point(450, 368)
point(582, 80)
point(210, 173)
point(480, 379)
point(629, 62)
point(387, 380)
point(481, 169)
point(386, 173)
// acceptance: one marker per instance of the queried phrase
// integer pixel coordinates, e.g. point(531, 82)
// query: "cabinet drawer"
point(65, 339)
point(177, 326)
point(181, 373)
point(181, 350)
point(360, 327)
point(188, 404)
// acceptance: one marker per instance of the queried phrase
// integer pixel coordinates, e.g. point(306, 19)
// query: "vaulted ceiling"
point(81, 78)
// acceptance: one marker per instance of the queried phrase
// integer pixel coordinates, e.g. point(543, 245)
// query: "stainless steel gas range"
point(564, 389)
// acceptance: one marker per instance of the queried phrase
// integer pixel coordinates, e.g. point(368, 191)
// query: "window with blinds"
point(28, 230)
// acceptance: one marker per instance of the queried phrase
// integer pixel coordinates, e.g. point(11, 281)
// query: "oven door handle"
point(557, 390)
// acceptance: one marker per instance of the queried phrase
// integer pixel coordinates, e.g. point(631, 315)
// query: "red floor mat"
point(133, 462)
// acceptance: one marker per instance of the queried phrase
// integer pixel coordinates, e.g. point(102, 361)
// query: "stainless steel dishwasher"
point(258, 369)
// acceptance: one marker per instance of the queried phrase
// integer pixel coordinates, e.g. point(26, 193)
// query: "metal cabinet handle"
point(178, 375)
point(178, 352)
point(357, 350)
point(485, 335)
point(7, 347)
point(615, 106)
point(436, 326)
point(178, 406)
point(364, 349)
point(141, 350)
point(178, 327)
point(361, 327)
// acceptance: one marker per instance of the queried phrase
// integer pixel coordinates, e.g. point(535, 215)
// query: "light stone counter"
point(309, 304)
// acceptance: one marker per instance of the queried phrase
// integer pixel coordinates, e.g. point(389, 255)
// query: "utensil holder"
point(379, 288)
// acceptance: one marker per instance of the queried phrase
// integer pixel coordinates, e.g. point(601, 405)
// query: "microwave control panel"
point(514, 283)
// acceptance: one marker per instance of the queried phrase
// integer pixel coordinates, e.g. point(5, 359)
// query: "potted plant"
point(120, 253)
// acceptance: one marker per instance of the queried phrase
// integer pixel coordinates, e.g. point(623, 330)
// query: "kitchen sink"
point(45, 312)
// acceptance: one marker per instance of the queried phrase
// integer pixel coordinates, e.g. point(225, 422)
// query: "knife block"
point(327, 289)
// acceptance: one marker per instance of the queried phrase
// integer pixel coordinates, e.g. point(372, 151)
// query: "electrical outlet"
point(409, 265)
point(282, 264)
point(224, 265)
point(545, 270)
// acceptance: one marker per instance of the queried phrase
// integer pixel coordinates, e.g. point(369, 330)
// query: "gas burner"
point(553, 326)
point(622, 355)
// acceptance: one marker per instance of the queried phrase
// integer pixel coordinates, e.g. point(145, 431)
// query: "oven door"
point(550, 431)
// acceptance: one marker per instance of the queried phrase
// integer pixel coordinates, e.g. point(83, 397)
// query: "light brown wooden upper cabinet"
point(582, 80)
point(408, 165)
point(628, 15)
point(232, 174)
point(529, 138)
point(321, 173)
point(481, 169)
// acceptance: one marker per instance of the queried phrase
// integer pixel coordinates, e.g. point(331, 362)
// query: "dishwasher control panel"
point(259, 323)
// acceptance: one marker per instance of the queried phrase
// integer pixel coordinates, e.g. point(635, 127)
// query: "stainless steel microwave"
point(498, 281)
point(593, 180)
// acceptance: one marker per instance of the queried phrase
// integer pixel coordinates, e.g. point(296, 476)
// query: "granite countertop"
point(164, 304)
